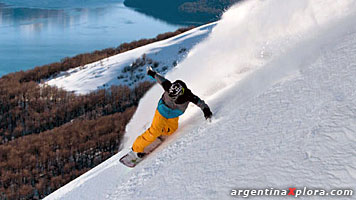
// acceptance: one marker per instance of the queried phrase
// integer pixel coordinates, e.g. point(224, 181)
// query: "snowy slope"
point(118, 69)
point(280, 77)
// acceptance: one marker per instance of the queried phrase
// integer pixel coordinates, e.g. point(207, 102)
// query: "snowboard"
point(130, 160)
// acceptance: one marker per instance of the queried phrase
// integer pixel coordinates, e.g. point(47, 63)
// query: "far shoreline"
point(36, 36)
point(52, 69)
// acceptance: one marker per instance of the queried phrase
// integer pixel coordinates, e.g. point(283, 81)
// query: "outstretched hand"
point(151, 72)
point(207, 113)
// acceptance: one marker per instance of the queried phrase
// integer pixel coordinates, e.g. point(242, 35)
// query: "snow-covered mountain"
point(129, 68)
point(280, 77)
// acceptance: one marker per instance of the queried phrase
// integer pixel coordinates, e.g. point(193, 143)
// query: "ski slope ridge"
point(111, 71)
point(280, 78)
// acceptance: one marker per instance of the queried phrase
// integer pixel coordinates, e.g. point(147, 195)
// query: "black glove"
point(207, 113)
point(150, 72)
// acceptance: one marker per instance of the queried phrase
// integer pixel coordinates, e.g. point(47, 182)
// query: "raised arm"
point(166, 84)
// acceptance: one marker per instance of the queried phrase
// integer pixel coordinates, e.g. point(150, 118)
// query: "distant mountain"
point(192, 12)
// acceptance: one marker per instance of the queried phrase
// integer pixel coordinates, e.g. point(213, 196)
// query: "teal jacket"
point(172, 108)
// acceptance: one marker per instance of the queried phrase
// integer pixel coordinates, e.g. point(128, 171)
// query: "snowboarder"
point(172, 104)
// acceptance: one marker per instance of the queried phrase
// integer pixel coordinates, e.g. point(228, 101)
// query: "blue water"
point(34, 33)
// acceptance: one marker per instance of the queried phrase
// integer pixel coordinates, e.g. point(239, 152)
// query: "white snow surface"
point(280, 78)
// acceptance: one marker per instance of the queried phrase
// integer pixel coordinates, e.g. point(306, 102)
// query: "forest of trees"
point(50, 136)
point(28, 108)
point(73, 135)
point(36, 165)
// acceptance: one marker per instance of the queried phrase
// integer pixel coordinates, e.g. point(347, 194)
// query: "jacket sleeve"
point(197, 101)
point(166, 84)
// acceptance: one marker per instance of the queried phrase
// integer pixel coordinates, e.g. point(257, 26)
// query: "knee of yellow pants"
point(160, 125)
point(156, 129)
point(171, 126)
point(144, 140)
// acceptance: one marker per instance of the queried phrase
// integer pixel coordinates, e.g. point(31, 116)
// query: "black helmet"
point(176, 89)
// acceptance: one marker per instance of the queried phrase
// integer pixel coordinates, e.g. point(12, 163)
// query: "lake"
point(34, 33)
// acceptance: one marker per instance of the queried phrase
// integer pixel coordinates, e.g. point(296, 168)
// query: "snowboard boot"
point(135, 157)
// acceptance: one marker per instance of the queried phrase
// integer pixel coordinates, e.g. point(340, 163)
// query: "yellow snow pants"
point(160, 126)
